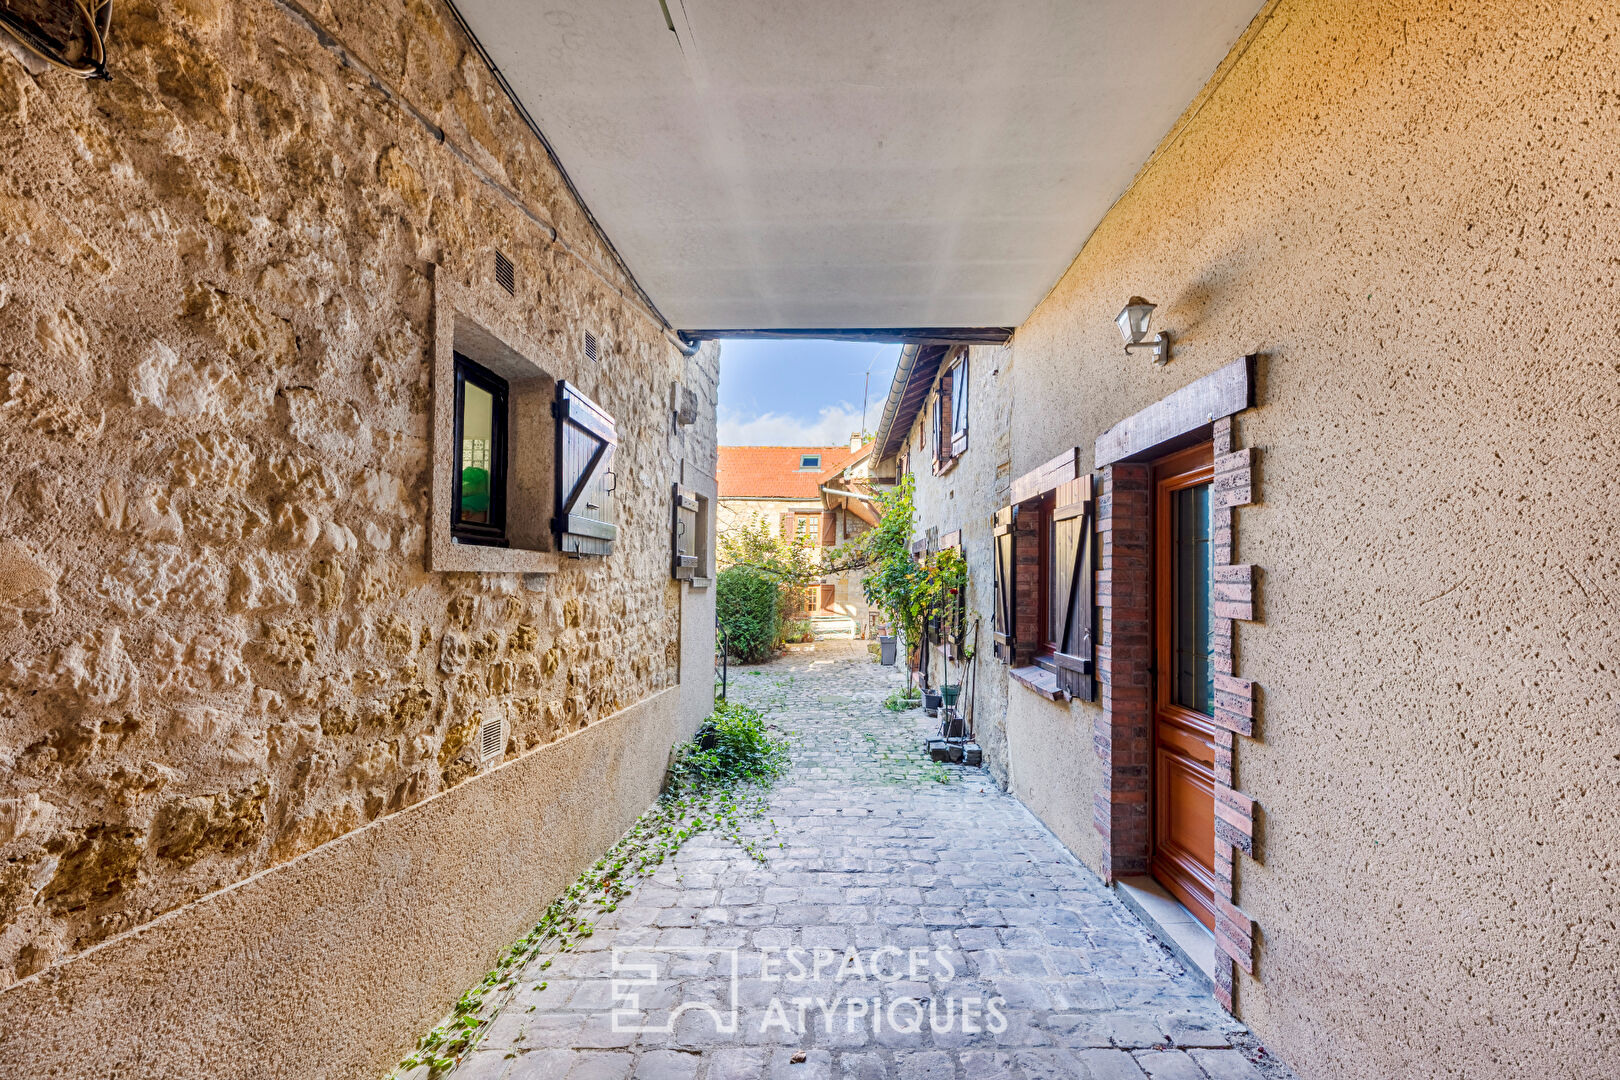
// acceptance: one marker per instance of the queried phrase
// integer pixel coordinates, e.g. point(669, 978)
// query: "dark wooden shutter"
point(683, 543)
point(586, 440)
point(829, 528)
point(1074, 565)
point(959, 407)
point(942, 423)
point(1002, 624)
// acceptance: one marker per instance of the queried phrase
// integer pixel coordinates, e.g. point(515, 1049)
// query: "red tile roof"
point(772, 472)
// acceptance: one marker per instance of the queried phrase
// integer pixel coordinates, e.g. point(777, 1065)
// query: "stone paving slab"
point(912, 922)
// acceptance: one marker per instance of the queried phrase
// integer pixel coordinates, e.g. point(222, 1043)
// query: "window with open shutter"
point(586, 440)
point(942, 423)
point(1072, 581)
point(684, 542)
point(1002, 611)
point(959, 407)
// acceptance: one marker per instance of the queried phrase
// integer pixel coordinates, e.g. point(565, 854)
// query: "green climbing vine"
point(716, 782)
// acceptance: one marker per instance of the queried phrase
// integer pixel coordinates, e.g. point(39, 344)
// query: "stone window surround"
point(483, 323)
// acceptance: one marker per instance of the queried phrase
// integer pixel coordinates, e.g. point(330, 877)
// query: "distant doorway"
point(1183, 858)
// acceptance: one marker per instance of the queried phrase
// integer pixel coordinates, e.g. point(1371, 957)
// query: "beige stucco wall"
point(1411, 212)
point(222, 648)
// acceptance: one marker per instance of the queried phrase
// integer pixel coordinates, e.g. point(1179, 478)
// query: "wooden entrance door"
point(1183, 730)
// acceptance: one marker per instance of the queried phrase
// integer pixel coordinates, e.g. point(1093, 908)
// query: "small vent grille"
point(506, 273)
point(591, 349)
point(492, 738)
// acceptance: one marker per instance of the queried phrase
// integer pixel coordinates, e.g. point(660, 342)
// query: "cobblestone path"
point(912, 922)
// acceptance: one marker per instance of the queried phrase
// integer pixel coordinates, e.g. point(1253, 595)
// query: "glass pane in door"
point(1192, 571)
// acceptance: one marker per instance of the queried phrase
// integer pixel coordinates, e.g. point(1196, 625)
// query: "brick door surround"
point(1122, 732)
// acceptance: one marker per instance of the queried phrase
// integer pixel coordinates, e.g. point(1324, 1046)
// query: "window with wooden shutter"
point(959, 407)
point(586, 441)
point(942, 423)
point(1002, 623)
point(684, 541)
point(1073, 598)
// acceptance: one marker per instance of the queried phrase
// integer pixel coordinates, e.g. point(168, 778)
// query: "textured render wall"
point(957, 500)
point(221, 647)
point(1411, 212)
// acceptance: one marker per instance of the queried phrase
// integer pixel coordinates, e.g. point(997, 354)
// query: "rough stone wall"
point(220, 646)
point(736, 513)
point(1410, 212)
point(964, 498)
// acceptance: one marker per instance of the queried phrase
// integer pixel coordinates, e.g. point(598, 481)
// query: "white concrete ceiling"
point(853, 163)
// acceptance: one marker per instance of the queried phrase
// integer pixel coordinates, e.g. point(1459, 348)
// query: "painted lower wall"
point(331, 965)
point(1412, 213)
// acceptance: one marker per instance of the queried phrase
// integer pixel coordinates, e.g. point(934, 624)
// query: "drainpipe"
point(688, 346)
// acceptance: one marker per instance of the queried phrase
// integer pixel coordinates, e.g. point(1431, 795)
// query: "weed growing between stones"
point(716, 782)
point(903, 765)
point(908, 698)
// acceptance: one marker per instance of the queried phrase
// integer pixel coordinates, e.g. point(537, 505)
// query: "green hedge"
point(745, 601)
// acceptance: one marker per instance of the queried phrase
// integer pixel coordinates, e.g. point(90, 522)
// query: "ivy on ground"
point(716, 782)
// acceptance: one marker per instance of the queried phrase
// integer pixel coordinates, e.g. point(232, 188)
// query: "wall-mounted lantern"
point(1133, 327)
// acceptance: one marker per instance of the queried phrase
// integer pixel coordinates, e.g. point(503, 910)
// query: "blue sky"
point(800, 393)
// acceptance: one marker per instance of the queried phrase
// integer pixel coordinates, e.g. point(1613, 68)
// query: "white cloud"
point(832, 427)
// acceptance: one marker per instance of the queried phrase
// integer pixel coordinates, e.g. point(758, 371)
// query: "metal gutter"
point(891, 404)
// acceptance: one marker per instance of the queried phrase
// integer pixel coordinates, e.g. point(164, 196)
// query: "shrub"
point(733, 746)
point(798, 630)
point(745, 603)
point(901, 700)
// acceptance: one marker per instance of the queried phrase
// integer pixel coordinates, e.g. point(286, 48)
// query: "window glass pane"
point(1191, 552)
point(477, 447)
point(959, 391)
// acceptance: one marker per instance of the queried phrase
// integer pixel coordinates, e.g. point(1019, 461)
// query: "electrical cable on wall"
point(49, 29)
